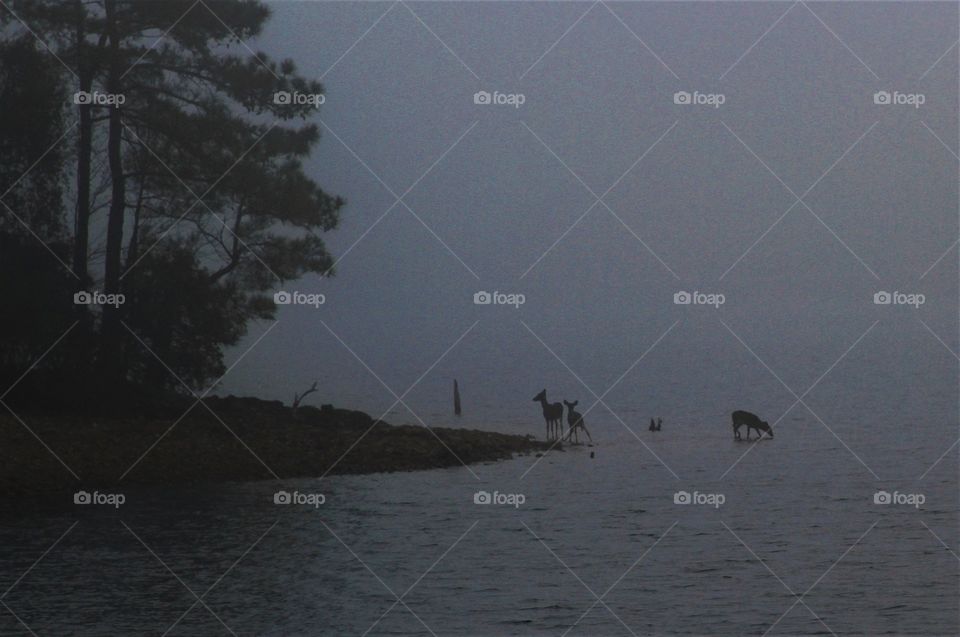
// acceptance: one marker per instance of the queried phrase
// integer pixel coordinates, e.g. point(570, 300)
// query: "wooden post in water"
point(456, 398)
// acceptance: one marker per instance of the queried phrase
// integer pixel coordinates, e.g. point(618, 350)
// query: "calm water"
point(798, 519)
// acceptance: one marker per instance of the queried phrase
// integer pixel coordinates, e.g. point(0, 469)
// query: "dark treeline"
point(163, 173)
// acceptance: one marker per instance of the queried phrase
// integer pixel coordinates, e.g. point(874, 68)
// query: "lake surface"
point(797, 518)
point(773, 520)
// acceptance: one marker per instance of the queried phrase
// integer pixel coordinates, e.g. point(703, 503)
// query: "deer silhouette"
point(575, 421)
point(552, 413)
point(752, 421)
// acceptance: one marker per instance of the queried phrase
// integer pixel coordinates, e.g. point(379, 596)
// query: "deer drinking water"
point(575, 421)
point(552, 413)
point(752, 421)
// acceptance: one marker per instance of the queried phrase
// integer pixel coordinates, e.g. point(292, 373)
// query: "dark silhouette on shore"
point(752, 421)
point(655, 426)
point(298, 398)
point(575, 421)
point(552, 414)
point(200, 450)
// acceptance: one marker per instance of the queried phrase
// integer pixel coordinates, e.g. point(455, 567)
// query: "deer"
point(752, 421)
point(552, 413)
point(575, 421)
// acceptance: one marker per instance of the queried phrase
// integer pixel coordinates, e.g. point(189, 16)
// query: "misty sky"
point(596, 100)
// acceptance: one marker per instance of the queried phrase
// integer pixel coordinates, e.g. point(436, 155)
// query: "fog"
point(598, 198)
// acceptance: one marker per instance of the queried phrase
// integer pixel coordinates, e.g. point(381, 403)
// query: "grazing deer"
point(552, 413)
point(575, 421)
point(752, 421)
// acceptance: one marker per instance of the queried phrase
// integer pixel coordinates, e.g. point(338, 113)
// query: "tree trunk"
point(111, 335)
point(84, 151)
point(133, 250)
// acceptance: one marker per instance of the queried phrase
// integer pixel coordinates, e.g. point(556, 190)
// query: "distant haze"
point(599, 99)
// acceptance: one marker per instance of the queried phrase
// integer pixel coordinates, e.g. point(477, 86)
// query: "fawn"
point(575, 421)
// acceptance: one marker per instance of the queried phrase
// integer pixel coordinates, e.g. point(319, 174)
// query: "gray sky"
point(496, 211)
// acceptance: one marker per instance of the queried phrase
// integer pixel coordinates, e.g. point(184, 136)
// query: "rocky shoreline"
point(228, 439)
